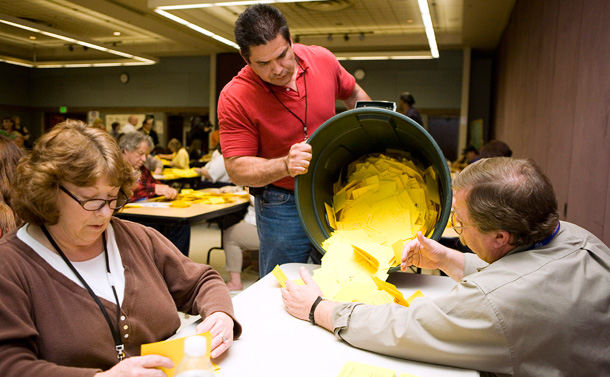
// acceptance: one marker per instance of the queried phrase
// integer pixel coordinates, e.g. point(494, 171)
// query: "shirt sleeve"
point(458, 329)
point(472, 264)
point(196, 288)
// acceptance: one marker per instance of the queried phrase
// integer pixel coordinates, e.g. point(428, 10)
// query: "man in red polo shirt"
point(283, 94)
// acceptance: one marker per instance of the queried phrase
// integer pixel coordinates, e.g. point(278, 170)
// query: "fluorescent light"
point(71, 38)
point(425, 14)
point(381, 55)
point(198, 29)
point(186, 4)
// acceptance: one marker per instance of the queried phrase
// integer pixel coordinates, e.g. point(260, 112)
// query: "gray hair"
point(509, 194)
point(132, 140)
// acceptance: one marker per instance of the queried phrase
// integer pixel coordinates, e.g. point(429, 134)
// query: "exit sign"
point(63, 109)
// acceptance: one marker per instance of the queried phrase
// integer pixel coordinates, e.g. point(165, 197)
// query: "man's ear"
point(501, 239)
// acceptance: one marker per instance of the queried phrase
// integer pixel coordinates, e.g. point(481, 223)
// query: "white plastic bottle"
point(195, 363)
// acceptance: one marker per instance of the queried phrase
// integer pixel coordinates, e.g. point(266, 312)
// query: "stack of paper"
point(189, 196)
point(171, 173)
point(386, 199)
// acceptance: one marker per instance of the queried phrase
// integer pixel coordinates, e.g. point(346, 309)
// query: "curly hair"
point(512, 195)
point(10, 154)
point(258, 25)
point(70, 152)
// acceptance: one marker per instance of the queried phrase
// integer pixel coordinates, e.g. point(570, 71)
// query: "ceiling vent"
point(326, 6)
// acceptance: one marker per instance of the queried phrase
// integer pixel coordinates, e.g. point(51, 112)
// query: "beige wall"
point(552, 101)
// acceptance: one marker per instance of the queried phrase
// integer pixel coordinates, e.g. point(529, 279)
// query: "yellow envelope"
point(353, 369)
point(174, 349)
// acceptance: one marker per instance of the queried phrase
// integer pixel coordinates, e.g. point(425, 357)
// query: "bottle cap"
point(195, 345)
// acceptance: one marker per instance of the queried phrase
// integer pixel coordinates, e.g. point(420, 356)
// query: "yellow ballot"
point(281, 277)
point(174, 349)
point(354, 369)
point(382, 204)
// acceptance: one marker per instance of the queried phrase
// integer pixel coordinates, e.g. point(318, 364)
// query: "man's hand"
point(299, 298)
point(298, 158)
point(426, 253)
point(422, 252)
point(169, 192)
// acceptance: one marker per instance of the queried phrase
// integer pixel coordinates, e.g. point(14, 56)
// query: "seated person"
point(237, 239)
point(10, 154)
point(179, 156)
point(135, 147)
point(60, 312)
point(469, 155)
point(214, 174)
point(495, 148)
point(154, 164)
point(533, 301)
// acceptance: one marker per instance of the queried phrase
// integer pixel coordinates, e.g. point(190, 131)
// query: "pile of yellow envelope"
point(171, 173)
point(189, 196)
point(386, 199)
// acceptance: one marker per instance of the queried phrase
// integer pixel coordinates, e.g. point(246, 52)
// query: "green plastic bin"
point(345, 138)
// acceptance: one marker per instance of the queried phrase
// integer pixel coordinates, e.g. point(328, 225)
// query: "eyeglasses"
point(457, 225)
point(96, 204)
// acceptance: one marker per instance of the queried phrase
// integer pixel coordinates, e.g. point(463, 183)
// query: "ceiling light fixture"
point(193, 4)
point(384, 55)
point(72, 39)
point(197, 28)
point(425, 15)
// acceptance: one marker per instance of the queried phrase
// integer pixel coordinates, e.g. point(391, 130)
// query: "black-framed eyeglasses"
point(96, 204)
point(457, 225)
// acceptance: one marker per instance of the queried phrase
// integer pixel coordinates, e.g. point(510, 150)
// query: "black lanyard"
point(303, 122)
point(116, 332)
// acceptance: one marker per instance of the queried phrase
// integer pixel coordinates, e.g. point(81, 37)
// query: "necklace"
point(116, 332)
point(303, 122)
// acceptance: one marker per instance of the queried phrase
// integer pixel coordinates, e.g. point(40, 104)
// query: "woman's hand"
point(139, 366)
point(220, 325)
point(298, 299)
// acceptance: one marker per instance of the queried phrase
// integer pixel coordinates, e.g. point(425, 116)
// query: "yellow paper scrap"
point(415, 295)
point(281, 277)
point(331, 216)
point(366, 259)
point(174, 349)
point(353, 369)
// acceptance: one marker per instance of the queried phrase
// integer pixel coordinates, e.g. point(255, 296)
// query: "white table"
point(274, 343)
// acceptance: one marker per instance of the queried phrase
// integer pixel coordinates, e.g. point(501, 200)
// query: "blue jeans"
point(282, 238)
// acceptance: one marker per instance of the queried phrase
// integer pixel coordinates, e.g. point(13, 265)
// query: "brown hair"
point(10, 154)
point(174, 145)
point(70, 152)
point(258, 25)
point(495, 148)
point(512, 195)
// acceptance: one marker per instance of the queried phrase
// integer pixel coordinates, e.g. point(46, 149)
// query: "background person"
point(135, 147)
point(237, 239)
point(214, 174)
point(533, 301)
point(179, 156)
point(495, 148)
point(23, 130)
point(283, 94)
point(148, 129)
point(405, 106)
point(10, 154)
point(131, 124)
point(470, 154)
point(50, 324)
